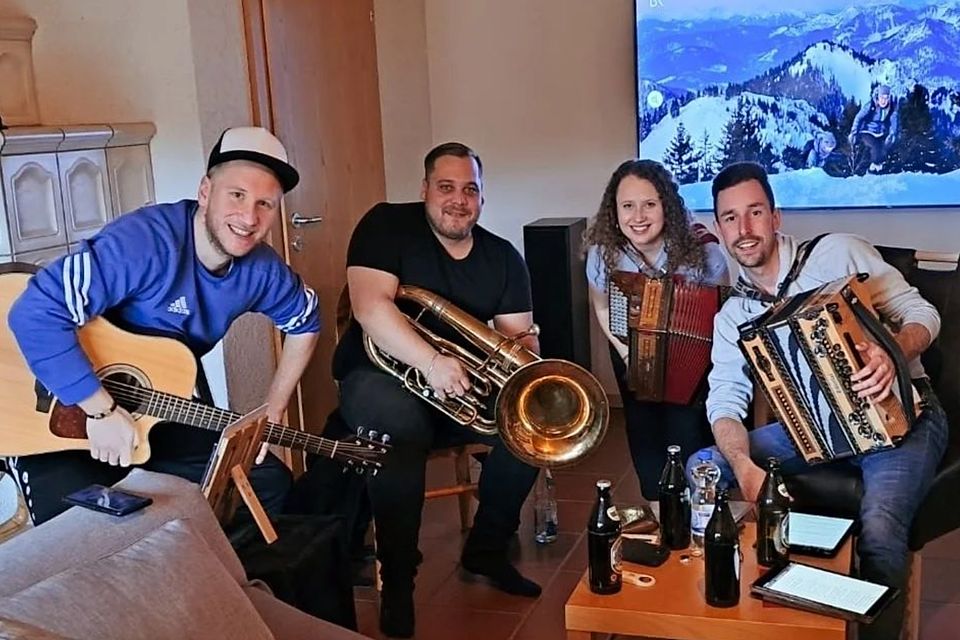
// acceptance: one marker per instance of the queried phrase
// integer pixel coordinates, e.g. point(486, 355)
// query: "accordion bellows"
point(802, 354)
point(667, 324)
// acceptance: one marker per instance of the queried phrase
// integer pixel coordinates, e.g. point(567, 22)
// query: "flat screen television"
point(846, 104)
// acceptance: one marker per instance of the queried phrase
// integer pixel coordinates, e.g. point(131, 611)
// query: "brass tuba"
point(549, 413)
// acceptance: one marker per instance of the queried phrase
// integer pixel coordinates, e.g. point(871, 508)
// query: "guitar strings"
point(221, 418)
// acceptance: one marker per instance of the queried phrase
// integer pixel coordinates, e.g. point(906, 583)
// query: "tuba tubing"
point(548, 412)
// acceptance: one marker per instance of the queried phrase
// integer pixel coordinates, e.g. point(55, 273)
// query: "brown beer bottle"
point(603, 543)
point(773, 512)
point(674, 499)
point(721, 556)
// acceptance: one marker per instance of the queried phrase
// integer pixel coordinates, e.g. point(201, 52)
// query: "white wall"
point(178, 63)
point(544, 90)
point(118, 60)
point(404, 94)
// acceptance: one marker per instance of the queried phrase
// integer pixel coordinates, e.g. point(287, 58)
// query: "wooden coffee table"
point(675, 607)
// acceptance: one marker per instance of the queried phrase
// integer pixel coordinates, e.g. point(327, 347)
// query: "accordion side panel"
point(646, 378)
point(890, 411)
point(647, 315)
point(776, 385)
point(872, 425)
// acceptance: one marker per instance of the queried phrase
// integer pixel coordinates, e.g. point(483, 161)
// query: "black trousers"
point(176, 449)
point(375, 400)
point(653, 426)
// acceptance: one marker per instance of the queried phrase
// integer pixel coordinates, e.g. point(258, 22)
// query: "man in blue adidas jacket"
point(185, 270)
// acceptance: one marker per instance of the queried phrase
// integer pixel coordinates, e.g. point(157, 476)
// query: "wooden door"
point(313, 68)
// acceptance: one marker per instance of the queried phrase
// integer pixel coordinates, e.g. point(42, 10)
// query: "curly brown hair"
point(682, 246)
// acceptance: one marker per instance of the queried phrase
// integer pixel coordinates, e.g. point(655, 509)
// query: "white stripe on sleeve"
point(67, 277)
point(85, 288)
point(77, 287)
point(300, 318)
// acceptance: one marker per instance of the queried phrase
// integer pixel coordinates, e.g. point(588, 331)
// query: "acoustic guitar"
point(151, 377)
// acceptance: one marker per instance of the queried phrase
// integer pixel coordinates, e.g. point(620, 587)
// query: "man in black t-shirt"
point(436, 245)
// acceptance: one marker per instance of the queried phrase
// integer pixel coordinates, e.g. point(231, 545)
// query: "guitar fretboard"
point(176, 409)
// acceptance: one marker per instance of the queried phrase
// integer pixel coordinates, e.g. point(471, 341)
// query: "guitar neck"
point(195, 414)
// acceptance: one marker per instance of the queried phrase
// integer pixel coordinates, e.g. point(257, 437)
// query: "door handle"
point(298, 220)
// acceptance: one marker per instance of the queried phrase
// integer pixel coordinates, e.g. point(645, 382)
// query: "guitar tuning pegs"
point(385, 438)
point(360, 431)
point(358, 470)
point(374, 472)
point(372, 435)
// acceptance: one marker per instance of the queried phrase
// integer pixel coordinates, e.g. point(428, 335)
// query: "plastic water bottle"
point(545, 509)
point(706, 475)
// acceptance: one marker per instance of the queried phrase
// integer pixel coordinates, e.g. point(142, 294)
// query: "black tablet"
point(819, 536)
point(826, 592)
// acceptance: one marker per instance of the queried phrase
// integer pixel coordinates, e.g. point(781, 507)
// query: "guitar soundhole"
point(129, 386)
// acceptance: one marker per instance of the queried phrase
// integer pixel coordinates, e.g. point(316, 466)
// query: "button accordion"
point(667, 324)
point(801, 352)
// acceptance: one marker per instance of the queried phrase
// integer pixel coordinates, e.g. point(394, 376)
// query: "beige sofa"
point(165, 572)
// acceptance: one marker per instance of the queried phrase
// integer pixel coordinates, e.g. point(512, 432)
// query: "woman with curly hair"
point(643, 226)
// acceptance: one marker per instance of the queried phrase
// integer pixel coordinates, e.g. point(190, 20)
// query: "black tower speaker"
point(552, 248)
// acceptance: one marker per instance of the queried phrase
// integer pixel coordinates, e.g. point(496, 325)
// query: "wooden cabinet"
point(62, 184)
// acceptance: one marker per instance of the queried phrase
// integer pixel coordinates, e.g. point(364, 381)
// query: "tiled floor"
point(451, 605)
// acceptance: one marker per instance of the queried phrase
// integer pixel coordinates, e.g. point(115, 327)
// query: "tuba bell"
point(549, 413)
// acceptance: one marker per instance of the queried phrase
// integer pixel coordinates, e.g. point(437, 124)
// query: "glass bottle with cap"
point(721, 556)
point(773, 512)
point(674, 499)
point(603, 543)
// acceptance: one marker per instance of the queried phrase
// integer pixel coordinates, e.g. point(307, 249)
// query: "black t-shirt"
point(491, 280)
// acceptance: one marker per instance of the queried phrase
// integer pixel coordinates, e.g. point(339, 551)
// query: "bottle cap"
point(706, 454)
point(672, 449)
point(603, 484)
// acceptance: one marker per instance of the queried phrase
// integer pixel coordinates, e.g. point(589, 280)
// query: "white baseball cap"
point(255, 144)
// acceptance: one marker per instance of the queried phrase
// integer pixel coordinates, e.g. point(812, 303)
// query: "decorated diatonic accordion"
point(667, 324)
point(802, 354)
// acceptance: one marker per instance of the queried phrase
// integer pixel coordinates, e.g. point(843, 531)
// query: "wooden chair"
point(464, 487)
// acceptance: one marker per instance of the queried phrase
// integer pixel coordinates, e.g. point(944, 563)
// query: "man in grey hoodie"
point(894, 480)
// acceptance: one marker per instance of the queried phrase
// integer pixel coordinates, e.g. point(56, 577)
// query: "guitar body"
point(151, 377)
point(34, 424)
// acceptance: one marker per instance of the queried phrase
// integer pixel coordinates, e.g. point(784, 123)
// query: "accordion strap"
point(744, 289)
point(887, 341)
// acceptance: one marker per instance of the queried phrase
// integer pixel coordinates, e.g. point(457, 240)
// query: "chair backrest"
point(937, 277)
point(344, 313)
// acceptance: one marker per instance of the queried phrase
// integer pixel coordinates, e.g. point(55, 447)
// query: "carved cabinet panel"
point(87, 204)
point(61, 185)
point(131, 178)
point(31, 186)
